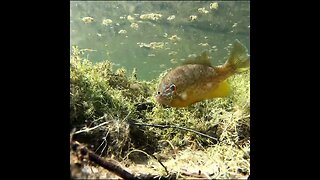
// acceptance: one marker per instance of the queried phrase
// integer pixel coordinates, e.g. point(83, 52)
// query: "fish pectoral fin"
point(222, 90)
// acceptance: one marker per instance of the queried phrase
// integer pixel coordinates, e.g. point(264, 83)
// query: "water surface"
point(125, 40)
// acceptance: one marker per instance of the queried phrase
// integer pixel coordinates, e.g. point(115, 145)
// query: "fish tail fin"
point(239, 60)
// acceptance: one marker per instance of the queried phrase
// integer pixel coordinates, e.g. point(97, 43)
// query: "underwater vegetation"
point(110, 110)
point(129, 117)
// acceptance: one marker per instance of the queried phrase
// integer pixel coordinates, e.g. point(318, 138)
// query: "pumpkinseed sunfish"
point(198, 80)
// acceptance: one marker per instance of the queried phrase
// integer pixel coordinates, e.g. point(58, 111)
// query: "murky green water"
point(126, 40)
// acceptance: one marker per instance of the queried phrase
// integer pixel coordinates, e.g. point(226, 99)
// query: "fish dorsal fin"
point(201, 59)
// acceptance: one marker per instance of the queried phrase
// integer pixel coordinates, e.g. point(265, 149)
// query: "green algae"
point(101, 94)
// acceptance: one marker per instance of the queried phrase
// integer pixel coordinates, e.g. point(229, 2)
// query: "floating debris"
point(235, 25)
point(151, 55)
point(90, 50)
point(122, 31)
point(192, 55)
point(144, 45)
point(173, 61)
point(203, 44)
point(214, 47)
point(152, 45)
point(87, 20)
point(106, 22)
point(98, 34)
point(130, 18)
point(162, 65)
point(174, 38)
point(151, 16)
point(203, 10)
point(156, 45)
point(214, 6)
point(170, 18)
point(165, 35)
point(193, 18)
point(172, 53)
point(134, 26)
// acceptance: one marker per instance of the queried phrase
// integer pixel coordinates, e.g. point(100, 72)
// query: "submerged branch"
point(119, 171)
point(112, 167)
point(85, 129)
point(89, 129)
point(176, 127)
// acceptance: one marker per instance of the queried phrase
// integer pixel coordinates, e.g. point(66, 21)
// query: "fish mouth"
point(160, 99)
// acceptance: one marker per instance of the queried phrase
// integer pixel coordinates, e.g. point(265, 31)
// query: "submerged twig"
point(114, 168)
point(137, 150)
point(71, 134)
point(177, 127)
point(95, 127)
point(174, 150)
point(104, 163)
point(198, 175)
point(89, 129)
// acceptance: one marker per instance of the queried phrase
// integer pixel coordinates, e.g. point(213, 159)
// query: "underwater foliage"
point(100, 94)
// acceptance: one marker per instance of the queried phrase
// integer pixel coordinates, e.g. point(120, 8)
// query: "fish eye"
point(158, 92)
point(172, 87)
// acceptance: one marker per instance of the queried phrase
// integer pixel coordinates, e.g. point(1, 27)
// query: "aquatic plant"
point(106, 105)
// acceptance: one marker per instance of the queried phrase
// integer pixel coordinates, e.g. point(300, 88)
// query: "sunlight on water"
point(155, 36)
